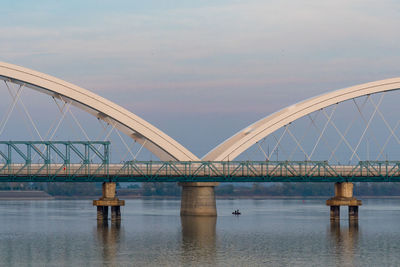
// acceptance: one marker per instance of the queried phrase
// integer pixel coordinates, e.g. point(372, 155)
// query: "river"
point(275, 232)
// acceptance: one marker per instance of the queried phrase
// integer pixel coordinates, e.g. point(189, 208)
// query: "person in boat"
point(236, 212)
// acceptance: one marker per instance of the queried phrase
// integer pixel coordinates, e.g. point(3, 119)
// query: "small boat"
point(236, 212)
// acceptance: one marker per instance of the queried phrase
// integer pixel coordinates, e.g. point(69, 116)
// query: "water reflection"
point(109, 241)
point(344, 241)
point(198, 239)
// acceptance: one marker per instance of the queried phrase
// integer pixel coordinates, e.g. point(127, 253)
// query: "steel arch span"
point(135, 127)
point(244, 139)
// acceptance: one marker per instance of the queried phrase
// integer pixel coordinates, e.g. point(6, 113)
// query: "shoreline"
point(25, 195)
point(219, 197)
point(41, 195)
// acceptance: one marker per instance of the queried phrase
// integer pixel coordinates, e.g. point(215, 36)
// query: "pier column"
point(335, 213)
point(115, 213)
point(353, 212)
point(102, 213)
point(108, 200)
point(344, 197)
point(198, 198)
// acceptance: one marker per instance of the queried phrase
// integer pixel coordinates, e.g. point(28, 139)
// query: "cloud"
point(225, 57)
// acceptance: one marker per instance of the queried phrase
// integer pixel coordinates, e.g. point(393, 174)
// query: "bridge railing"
point(223, 169)
point(268, 171)
point(82, 168)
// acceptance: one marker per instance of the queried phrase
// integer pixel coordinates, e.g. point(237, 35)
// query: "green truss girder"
point(74, 164)
point(175, 171)
point(51, 160)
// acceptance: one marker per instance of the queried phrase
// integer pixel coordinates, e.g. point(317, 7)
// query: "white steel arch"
point(135, 127)
point(241, 141)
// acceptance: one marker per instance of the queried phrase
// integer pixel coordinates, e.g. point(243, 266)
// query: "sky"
point(203, 70)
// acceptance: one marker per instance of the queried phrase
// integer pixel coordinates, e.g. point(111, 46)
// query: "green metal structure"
point(52, 160)
point(258, 171)
point(65, 161)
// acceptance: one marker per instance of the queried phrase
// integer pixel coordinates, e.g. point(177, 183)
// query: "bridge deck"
point(237, 171)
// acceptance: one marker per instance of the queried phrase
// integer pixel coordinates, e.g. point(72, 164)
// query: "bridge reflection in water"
point(109, 237)
point(199, 239)
point(344, 242)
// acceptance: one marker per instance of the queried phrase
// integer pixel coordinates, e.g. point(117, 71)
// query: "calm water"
point(270, 232)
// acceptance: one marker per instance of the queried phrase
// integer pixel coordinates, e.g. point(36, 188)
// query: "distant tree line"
point(238, 189)
point(56, 189)
point(161, 189)
point(306, 189)
point(276, 189)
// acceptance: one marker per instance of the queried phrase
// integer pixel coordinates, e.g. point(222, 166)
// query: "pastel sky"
point(203, 70)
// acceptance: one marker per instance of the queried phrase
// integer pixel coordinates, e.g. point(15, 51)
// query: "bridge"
point(307, 158)
point(82, 169)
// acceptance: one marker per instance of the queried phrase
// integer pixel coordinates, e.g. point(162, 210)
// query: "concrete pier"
point(198, 199)
point(108, 200)
point(343, 197)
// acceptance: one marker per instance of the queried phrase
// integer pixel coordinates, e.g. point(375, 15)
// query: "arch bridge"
point(176, 163)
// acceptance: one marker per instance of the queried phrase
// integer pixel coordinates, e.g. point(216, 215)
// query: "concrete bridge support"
point(198, 199)
point(344, 197)
point(108, 200)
